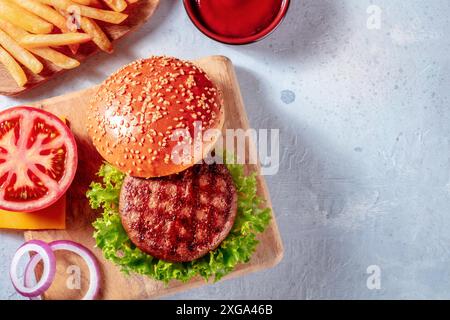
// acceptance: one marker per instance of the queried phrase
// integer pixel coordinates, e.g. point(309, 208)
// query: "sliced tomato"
point(38, 159)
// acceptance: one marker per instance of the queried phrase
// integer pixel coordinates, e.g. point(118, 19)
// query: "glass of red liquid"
point(236, 21)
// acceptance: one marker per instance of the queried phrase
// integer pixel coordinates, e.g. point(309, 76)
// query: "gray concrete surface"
point(365, 139)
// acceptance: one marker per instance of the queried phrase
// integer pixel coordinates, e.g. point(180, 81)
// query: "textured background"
point(364, 176)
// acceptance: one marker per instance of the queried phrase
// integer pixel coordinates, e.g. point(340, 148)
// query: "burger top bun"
point(148, 108)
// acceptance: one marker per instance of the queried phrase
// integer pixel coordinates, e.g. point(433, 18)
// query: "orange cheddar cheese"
point(53, 217)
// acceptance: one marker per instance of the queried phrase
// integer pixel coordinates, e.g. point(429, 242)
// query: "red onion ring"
point(83, 252)
point(45, 253)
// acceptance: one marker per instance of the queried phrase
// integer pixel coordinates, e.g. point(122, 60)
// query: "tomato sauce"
point(237, 18)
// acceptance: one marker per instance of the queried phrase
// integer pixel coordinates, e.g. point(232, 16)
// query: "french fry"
point(14, 69)
point(12, 30)
point(72, 27)
point(73, 47)
point(89, 12)
point(53, 40)
point(98, 36)
point(19, 53)
point(84, 2)
point(116, 5)
point(51, 15)
point(56, 58)
point(45, 12)
point(23, 18)
point(90, 3)
point(26, 25)
point(49, 54)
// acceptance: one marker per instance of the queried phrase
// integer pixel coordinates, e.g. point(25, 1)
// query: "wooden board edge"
point(263, 183)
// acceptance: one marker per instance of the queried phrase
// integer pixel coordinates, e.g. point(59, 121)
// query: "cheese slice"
point(53, 217)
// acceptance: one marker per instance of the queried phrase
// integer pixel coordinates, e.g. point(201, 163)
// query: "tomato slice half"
point(38, 159)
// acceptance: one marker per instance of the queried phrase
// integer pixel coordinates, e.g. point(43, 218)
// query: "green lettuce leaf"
point(237, 248)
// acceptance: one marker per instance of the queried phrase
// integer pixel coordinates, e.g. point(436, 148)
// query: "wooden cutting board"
point(116, 285)
point(138, 14)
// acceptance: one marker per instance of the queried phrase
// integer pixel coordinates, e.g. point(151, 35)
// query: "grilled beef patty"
point(181, 217)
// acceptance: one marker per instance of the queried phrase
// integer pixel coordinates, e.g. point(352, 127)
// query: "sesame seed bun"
point(137, 113)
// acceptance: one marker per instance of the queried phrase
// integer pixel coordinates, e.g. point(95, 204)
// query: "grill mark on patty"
point(169, 218)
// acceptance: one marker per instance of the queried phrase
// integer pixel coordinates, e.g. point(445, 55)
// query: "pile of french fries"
point(38, 28)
